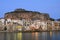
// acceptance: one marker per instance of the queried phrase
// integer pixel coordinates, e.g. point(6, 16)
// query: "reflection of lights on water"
point(50, 33)
point(33, 34)
point(19, 36)
point(36, 35)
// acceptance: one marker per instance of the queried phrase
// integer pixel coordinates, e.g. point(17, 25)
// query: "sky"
point(52, 7)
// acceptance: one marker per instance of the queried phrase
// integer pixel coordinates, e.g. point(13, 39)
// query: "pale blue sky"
point(52, 7)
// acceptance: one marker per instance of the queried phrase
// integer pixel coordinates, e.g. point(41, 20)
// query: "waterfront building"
point(2, 22)
point(56, 25)
point(39, 25)
point(43, 25)
point(59, 25)
point(13, 25)
point(53, 28)
point(49, 25)
point(19, 28)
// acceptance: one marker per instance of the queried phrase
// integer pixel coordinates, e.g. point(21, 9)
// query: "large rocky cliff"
point(28, 15)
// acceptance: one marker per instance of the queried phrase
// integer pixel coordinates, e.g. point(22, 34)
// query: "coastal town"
point(23, 20)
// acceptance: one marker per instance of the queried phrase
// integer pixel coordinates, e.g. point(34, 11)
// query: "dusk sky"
point(52, 7)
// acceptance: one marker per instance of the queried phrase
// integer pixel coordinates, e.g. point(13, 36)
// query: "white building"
point(14, 21)
point(44, 25)
point(2, 20)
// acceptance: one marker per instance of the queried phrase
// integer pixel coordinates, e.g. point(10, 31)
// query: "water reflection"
point(30, 36)
point(19, 36)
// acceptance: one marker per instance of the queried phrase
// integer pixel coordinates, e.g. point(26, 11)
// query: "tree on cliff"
point(52, 19)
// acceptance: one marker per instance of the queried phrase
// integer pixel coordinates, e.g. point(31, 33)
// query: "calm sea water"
point(30, 36)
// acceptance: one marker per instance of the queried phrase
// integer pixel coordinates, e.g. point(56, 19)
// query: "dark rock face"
point(28, 15)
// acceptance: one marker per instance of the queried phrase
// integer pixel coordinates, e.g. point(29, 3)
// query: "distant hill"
point(25, 14)
point(58, 19)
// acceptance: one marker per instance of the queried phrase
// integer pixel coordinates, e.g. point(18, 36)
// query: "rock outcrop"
point(28, 15)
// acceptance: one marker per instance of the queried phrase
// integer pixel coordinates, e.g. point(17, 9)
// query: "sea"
point(55, 35)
